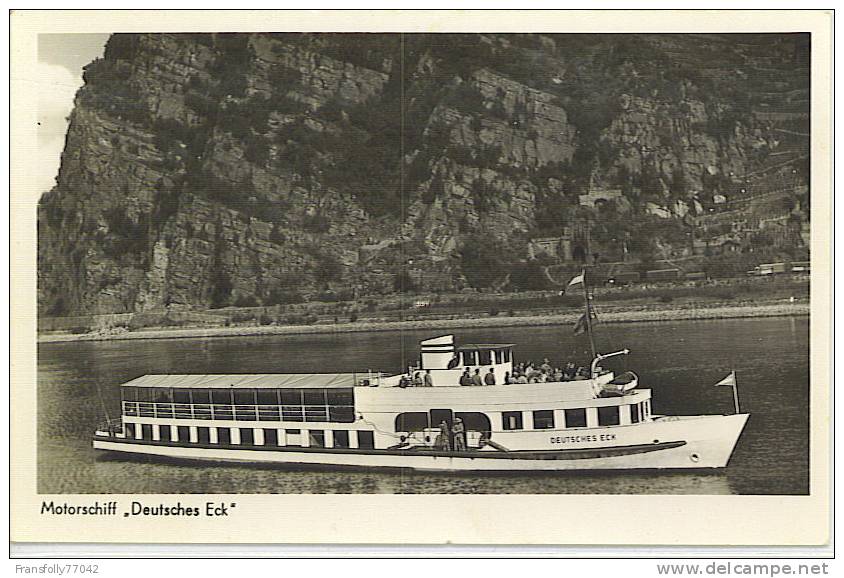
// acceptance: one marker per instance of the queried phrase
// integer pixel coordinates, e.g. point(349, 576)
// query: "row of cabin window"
point(247, 437)
point(484, 357)
point(240, 396)
point(544, 418)
point(333, 413)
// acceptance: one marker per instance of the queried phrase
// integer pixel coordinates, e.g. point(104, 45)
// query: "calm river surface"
point(679, 360)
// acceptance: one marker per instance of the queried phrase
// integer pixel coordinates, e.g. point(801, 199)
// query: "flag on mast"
point(729, 380)
point(575, 281)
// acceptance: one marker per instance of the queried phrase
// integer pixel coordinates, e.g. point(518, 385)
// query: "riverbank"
point(608, 315)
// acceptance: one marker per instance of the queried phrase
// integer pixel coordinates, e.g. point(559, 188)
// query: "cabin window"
point(499, 356)
point(543, 419)
point(247, 436)
point(202, 412)
point(314, 405)
point(341, 414)
point(245, 413)
point(223, 412)
point(144, 393)
point(244, 397)
point(203, 435)
point(646, 408)
point(634, 413)
point(128, 394)
point(411, 421)
point(506, 356)
point(267, 396)
point(164, 433)
point(475, 421)
point(366, 440)
point(270, 437)
point(512, 420)
point(316, 438)
point(292, 413)
point(183, 410)
point(224, 436)
point(291, 397)
point(316, 413)
point(575, 417)
point(484, 357)
point(146, 431)
point(268, 413)
point(608, 415)
point(340, 397)
point(468, 357)
point(294, 437)
point(314, 396)
point(341, 438)
point(129, 428)
point(164, 410)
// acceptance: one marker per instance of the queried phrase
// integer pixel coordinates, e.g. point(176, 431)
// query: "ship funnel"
point(437, 352)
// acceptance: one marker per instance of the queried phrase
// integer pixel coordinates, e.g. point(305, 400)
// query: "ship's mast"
point(588, 315)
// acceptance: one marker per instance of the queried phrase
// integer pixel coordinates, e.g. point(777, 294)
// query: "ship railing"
point(244, 412)
point(112, 426)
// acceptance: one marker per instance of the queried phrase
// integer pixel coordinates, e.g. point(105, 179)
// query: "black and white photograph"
point(528, 263)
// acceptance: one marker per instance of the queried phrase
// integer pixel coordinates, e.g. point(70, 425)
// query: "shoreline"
point(738, 311)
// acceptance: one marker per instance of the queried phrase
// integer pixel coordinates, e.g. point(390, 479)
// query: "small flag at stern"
point(729, 380)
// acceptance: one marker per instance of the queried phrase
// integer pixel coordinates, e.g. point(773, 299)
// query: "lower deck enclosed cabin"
point(304, 410)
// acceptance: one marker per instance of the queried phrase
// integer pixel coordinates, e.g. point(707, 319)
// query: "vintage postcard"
point(466, 277)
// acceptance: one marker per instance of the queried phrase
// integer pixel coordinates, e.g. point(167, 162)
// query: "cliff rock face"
point(205, 170)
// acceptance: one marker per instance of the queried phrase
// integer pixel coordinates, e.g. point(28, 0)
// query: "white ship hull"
point(664, 443)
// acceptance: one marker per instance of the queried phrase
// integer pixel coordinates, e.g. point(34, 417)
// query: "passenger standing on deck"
point(442, 441)
point(489, 378)
point(429, 381)
point(477, 379)
point(507, 379)
point(466, 378)
point(417, 380)
point(459, 435)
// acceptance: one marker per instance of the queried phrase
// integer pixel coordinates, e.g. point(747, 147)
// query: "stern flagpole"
point(735, 392)
point(731, 381)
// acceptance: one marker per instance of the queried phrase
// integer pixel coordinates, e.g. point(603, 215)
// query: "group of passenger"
point(469, 378)
point(451, 438)
point(527, 372)
point(419, 380)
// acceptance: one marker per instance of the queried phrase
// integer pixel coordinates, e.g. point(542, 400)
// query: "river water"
point(680, 361)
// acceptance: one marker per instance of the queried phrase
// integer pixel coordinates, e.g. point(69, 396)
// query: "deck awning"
point(249, 380)
point(484, 346)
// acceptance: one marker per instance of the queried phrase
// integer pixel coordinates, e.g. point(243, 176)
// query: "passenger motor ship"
point(597, 422)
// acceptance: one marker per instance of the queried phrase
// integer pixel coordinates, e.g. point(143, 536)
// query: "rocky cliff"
point(205, 170)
